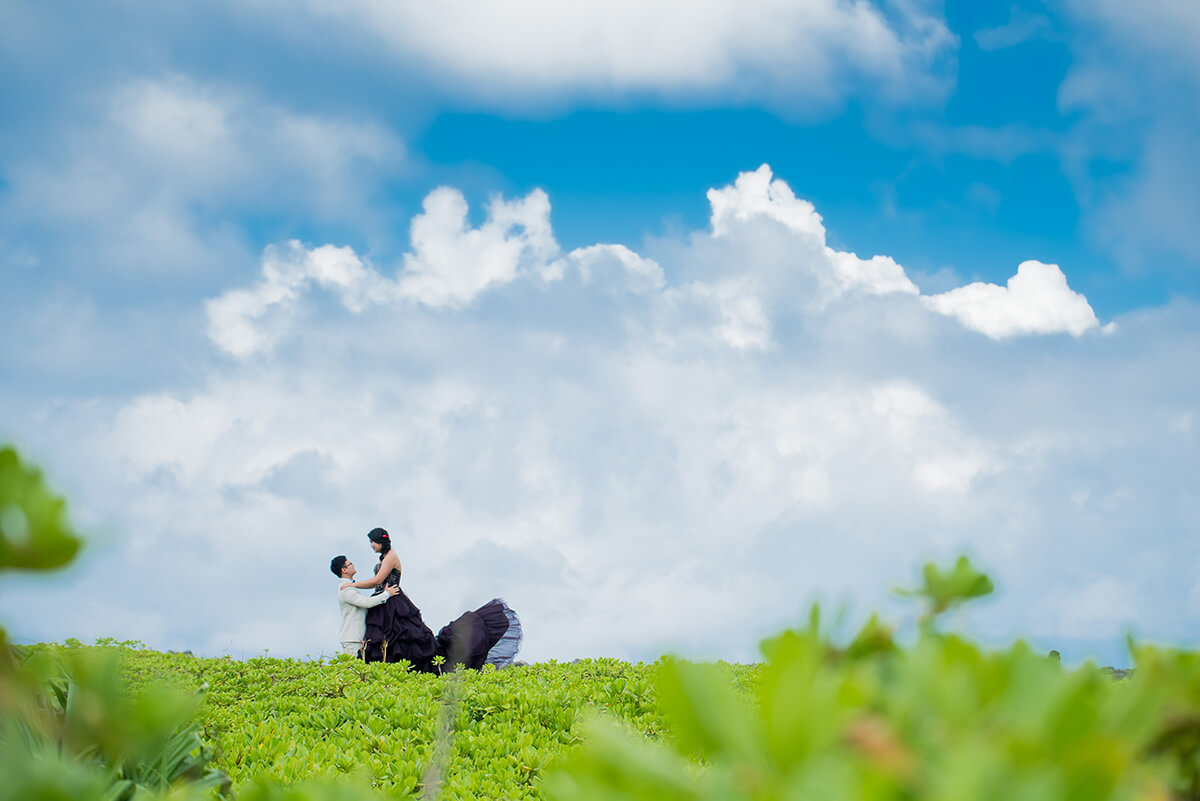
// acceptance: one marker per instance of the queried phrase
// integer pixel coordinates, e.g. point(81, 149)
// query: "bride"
point(395, 631)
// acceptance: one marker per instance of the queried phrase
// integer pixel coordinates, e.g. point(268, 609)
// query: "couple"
point(387, 626)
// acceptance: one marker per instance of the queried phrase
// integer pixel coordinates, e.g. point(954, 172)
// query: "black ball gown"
point(395, 631)
point(481, 636)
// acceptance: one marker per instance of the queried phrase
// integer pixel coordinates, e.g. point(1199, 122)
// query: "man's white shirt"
point(354, 606)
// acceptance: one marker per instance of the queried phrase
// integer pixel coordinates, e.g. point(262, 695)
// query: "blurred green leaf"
point(34, 532)
point(707, 717)
point(945, 589)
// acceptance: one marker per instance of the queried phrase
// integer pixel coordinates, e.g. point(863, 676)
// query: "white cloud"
point(730, 313)
point(638, 453)
point(225, 144)
point(1131, 65)
point(1036, 300)
point(248, 321)
point(1020, 28)
point(1151, 212)
point(765, 254)
point(160, 431)
point(1004, 143)
point(452, 263)
point(812, 50)
point(1164, 27)
point(158, 180)
point(610, 459)
point(595, 263)
point(1093, 610)
point(758, 195)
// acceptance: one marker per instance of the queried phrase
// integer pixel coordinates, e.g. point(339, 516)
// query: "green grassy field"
point(285, 721)
point(864, 719)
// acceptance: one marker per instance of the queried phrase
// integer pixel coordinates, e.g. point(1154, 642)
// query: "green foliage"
point(945, 590)
point(77, 709)
point(34, 532)
point(69, 726)
point(941, 720)
point(1176, 741)
point(938, 719)
point(285, 723)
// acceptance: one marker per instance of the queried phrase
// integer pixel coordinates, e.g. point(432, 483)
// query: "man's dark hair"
point(336, 564)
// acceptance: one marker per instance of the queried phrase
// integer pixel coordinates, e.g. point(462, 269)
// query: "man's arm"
point(356, 598)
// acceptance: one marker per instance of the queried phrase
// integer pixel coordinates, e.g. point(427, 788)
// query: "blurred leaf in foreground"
point(940, 719)
point(70, 728)
point(946, 589)
point(34, 532)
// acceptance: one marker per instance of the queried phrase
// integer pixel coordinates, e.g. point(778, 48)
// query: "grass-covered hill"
point(869, 719)
point(285, 721)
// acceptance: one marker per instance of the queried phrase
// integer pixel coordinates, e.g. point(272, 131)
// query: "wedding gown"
point(491, 634)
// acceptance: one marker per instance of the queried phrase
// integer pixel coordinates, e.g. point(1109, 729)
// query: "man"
point(354, 605)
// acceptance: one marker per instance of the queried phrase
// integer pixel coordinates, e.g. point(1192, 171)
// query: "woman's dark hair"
point(381, 536)
point(336, 564)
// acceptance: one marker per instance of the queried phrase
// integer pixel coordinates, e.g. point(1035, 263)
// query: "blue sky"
point(539, 253)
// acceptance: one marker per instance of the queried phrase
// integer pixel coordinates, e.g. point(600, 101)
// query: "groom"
point(354, 605)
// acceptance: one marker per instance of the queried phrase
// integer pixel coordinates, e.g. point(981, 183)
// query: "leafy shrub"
point(490, 733)
point(940, 720)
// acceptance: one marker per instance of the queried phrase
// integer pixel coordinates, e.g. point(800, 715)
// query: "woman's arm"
point(389, 563)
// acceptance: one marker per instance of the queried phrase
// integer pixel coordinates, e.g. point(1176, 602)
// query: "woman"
point(395, 629)
point(492, 633)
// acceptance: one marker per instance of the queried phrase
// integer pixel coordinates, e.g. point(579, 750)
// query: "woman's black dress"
point(395, 631)
point(471, 640)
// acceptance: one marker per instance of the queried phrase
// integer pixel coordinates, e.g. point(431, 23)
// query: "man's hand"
point(392, 589)
point(347, 584)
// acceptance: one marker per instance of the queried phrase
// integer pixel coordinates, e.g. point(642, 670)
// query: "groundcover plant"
point(934, 716)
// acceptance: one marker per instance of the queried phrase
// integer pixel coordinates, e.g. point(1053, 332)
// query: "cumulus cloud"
point(604, 436)
point(782, 261)
point(1036, 300)
point(605, 263)
point(669, 459)
point(770, 50)
point(759, 195)
point(246, 321)
point(451, 263)
point(730, 313)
